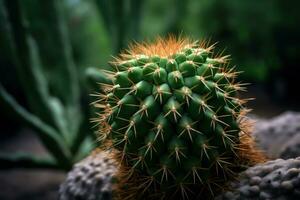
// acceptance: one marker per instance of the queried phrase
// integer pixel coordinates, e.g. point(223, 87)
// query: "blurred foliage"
point(256, 33)
point(50, 52)
point(248, 29)
point(38, 39)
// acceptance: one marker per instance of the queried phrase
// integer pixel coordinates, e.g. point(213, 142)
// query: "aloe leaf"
point(48, 27)
point(27, 62)
point(50, 138)
point(25, 160)
point(113, 15)
point(135, 17)
point(105, 8)
point(94, 75)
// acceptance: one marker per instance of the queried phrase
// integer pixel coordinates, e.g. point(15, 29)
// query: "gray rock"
point(291, 148)
point(90, 179)
point(279, 137)
point(277, 180)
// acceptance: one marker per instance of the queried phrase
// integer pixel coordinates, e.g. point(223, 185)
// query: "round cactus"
point(173, 114)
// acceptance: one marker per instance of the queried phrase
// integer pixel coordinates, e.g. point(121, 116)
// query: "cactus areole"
point(173, 114)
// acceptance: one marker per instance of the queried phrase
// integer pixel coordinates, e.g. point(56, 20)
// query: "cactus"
point(173, 114)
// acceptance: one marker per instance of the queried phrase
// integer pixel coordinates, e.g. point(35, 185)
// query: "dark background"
point(262, 37)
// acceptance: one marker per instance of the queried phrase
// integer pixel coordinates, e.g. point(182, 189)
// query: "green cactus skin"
point(174, 116)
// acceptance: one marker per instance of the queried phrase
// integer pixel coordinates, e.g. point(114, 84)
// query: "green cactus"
point(173, 114)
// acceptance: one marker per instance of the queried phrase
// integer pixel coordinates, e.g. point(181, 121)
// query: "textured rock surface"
point(277, 180)
point(279, 136)
point(89, 179)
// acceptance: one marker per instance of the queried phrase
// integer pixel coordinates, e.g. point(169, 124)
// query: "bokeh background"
point(50, 53)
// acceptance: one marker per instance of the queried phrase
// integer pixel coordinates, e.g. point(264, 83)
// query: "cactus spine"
point(173, 114)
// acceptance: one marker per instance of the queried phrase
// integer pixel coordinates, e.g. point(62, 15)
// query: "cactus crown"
point(173, 114)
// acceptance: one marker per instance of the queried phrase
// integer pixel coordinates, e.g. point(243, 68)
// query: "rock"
point(279, 137)
point(277, 180)
point(291, 148)
point(90, 179)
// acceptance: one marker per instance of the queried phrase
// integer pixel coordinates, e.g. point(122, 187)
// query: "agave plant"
point(52, 92)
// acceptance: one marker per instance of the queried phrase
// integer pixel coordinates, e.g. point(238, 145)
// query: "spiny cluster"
point(173, 114)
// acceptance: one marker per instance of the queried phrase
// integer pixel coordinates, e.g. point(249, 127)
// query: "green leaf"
point(25, 160)
point(27, 62)
point(50, 138)
point(95, 76)
point(47, 25)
